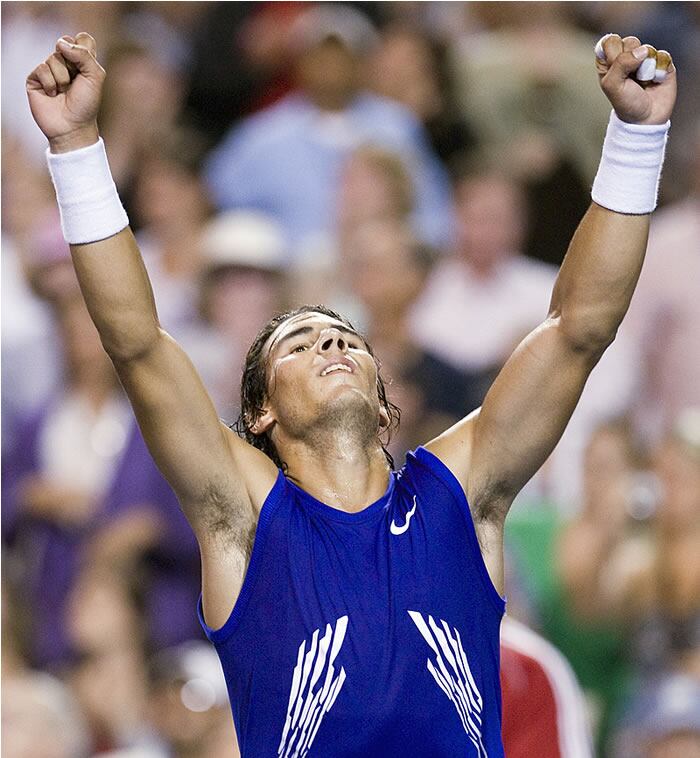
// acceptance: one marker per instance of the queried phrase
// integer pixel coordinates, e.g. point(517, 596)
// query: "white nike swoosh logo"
point(401, 529)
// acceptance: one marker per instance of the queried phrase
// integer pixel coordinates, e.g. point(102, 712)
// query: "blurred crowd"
point(421, 168)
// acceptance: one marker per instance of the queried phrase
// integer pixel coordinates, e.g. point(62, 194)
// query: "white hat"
point(333, 20)
point(244, 238)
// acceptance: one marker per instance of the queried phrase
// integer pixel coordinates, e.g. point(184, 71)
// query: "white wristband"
point(87, 197)
point(630, 167)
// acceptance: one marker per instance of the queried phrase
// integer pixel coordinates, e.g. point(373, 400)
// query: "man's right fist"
point(64, 94)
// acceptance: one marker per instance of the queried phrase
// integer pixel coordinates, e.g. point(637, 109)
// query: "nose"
point(332, 339)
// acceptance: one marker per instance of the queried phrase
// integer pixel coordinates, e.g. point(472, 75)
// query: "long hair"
point(254, 386)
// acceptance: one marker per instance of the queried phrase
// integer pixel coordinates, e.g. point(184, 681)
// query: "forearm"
point(107, 261)
point(598, 276)
point(605, 257)
point(118, 294)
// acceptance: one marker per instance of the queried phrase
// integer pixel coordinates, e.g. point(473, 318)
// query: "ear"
point(263, 422)
point(383, 417)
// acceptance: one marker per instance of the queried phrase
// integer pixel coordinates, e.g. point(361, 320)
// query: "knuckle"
point(663, 59)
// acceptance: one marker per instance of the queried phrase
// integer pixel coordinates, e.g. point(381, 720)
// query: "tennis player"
point(356, 609)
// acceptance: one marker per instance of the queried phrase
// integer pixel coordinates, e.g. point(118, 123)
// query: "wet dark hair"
point(254, 385)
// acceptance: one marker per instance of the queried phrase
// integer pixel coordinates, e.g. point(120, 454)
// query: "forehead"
point(312, 319)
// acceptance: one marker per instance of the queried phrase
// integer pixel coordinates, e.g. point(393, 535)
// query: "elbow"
point(591, 342)
point(130, 345)
point(586, 335)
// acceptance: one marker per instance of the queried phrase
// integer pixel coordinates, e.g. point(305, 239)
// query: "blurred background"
point(421, 167)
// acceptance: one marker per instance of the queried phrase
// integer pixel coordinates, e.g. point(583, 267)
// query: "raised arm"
point(496, 450)
point(220, 480)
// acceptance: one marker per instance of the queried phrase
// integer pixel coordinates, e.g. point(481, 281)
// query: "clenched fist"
point(617, 62)
point(64, 93)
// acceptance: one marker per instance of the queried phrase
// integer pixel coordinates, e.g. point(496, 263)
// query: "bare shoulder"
point(454, 447)
point(257, 470)
point(462, 449)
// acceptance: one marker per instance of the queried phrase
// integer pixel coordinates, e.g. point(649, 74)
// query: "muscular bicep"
point(526, 410)
point(496, 450)
point(201, 458)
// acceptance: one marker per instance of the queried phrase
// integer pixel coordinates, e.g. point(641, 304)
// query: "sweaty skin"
point(326, 427)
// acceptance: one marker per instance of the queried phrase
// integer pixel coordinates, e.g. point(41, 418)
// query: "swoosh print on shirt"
point(394, 529)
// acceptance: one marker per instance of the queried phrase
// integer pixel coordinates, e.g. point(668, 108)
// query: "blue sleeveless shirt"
point(366, 634)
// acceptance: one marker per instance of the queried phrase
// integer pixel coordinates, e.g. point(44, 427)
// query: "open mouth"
point(336, 367)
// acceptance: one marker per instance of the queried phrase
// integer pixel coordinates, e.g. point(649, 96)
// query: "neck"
point(338, 468)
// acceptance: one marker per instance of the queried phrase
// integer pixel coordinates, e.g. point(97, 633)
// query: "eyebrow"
point(308, 329)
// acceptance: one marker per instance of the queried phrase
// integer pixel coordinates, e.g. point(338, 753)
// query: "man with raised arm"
point(355, 609)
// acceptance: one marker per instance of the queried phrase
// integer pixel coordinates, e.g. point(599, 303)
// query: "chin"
point(348, 409)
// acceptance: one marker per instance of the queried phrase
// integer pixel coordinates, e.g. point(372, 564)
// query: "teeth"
point(335, 367)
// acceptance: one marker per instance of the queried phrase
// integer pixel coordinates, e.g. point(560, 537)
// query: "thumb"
point(627, 63)
point(88, 41)
point(81, 54)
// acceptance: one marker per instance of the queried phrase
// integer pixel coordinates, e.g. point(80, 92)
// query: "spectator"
point(387, 268)
point(483, 299)
point(286, 160)
point(663, 722)
point(173, 207)
point(665, 313)
point(107, 668)
point(142, 531)
point(609, 467)
point(578, 613)
point(240, 63)
point(486, 296)
point(141, 101)
point(410, 67)
point(534, 106)
point(35, 259)
point(241, 283)
point(30, 357)
point(635, 562)
point(662, 596)
point(189, 703)
point(40, 717)
point(375, 187)
point(543, 707)
point(57, 474)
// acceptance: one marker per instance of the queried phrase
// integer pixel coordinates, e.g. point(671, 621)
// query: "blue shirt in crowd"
point(287, 161)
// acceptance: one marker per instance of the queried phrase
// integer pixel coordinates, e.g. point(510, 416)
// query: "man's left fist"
point(639, 81)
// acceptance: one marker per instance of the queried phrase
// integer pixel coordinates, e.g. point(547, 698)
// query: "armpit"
point(226, 517)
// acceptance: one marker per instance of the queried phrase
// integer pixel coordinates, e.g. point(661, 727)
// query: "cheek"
point(286, 380)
